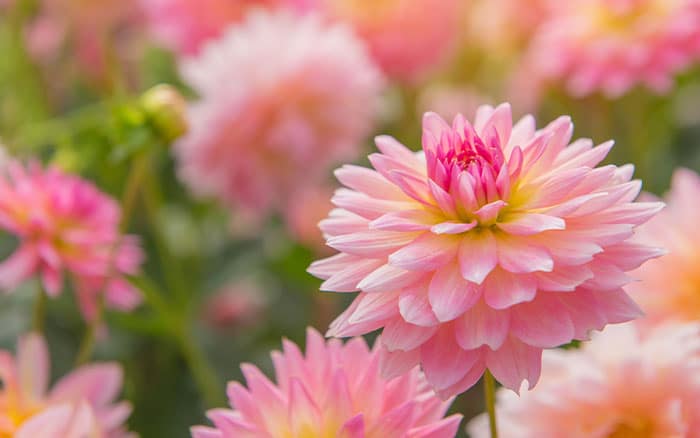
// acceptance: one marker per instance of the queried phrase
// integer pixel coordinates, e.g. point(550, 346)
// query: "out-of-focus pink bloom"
point(503, 26)
point(271, 121)
point(407, 38)
point(80, 405)
point(303, 213)
point(492, 243)
point(66, 225)
point(184, 25)
point(87, 27)
point(621, 384)
point(237, 304)
point(669, 288)
point(613, 45)
point(334, 390)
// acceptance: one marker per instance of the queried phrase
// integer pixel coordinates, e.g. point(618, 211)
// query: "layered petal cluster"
point(65, 225)
point(80, 405)
point(611, 46)
point(333, 391)
point(669, 288)
point(271, 121)
point(621, 384)
point(493, 242)
point(185, 25)
point(407, 38)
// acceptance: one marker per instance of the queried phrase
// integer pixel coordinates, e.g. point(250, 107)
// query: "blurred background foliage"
point(104, 127)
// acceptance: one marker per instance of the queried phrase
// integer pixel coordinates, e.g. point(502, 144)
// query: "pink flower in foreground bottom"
point(65, 224)
point(272, 121)
point(80, 405)
point(620, 385)
point(669, 288)
point(492, 243)
point(334, 390)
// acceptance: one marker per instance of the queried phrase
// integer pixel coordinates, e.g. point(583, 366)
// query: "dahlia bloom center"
point(635, 428)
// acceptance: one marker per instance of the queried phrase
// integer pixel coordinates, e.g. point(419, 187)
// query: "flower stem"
point(87, 345)
point(134, 184)
point(490, 398)
point(203, 374)
point(39, 314)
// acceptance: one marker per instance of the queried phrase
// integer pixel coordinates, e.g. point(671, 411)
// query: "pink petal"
point(477, 256)
point(405, 220)
point(426, 253)
point(374, 243)
point(387, 278)
point(303, 411)
point(503, 289)
point(520, 257)
point(415, 307)
point(400, 335)
point(443, 361)
point(33, 366)
point(544, 322)
point(397, 363)
point(450, 295)
point(445, 428)
point(489, 212)
point(18, 267)
point(353, 428)
point(530, 223)
point(99, 383)
point(452, 227)
point(515, 362)
point(482, 325)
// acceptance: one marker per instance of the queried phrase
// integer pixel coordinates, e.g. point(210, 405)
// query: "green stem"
point(490, 398)
point(202, 372)
point(87, 345)
point(39, 314)
point(134, 184)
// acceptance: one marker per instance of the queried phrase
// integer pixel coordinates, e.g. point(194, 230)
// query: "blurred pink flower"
point(271, 121)
point(492, 243)
point(334, 391)
point(449, 100)
point(613, 45)
point(185, 25)
point(407, 38)
point(621, 384)
point(236, 304)
point(80, 405)
point(669, 288)
point(303, 213)
point(65, 224)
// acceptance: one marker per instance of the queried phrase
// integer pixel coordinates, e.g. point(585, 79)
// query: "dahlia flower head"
point(185, 25)
point(407, 38)
point(65, 225)
point(271, 121)
point(669, 288)
point(621, 384)
point(492, 243)
point(80, 405)
point(334, 390)
point(611, 46)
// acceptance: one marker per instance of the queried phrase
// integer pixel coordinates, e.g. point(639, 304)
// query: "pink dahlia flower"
point(407, 38)
point(80, 405)
point(66, 225)
point(271, 121)
point(612, 45)
point(335, 390)
point(240, 304)
point(670, 286)
point(185, 25)
point(492, 243)
point(621, 384)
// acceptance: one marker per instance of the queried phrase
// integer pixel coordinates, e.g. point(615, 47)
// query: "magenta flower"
point(66, 225)
point(334, 390)
point(273, 121)
point(669, 288)
point(621, 384)
point(492, 243)
point(613, 45)
point(79, 405)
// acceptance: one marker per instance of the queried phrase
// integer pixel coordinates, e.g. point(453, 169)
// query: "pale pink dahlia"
point(334, 390)
point(66, 225)
point(492, 243)
point(612, 45)
point(620, 385)
point(669, 288)
point(407, 38)
point(80, 405)
point(271, 121)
